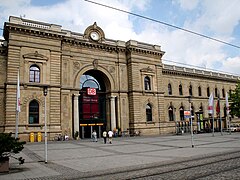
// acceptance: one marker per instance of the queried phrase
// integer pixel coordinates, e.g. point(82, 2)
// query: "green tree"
point(9, 146)
point(234, 100)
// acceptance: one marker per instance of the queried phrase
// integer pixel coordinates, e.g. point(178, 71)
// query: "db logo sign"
point(91, 91)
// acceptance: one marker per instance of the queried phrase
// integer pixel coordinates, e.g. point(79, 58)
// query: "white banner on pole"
point(210, 104)
point(227, 104)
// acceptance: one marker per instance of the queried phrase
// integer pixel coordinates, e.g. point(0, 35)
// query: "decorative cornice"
point(180, 73)
point(33, 31)
point(35, 55)
point(148, 69)
point(89, 45)
point(145, 51)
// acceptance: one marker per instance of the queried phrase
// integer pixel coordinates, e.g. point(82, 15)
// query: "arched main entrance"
point(92, 103)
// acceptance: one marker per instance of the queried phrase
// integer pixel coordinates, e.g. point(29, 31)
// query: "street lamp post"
point(189, 100)
point(175, 120)
point(45, 89)
point(220, 118)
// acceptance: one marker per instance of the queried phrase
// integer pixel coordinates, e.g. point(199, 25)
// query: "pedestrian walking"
point(110, 135)
point(94, 136)
point(105, 137)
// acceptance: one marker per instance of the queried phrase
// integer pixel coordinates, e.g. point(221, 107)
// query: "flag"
point(227, 104)
point(18, 94)
point(210, 104)
point(218, 106)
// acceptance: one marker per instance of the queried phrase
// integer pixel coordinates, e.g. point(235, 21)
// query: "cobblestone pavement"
point(221, 166)
point(159, 157)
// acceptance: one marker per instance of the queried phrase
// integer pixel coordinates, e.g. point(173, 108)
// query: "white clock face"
point(94, 36)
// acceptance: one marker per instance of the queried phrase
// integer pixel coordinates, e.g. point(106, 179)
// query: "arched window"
point(181, 112)
point(170, 113)
point(34, 73)
point(180, 90)
point(190, 90)
point(199, 91)
point(149, 112)
point(87, 81)
point(223, 93)
point(147, 84)
point(169, 89)
point(33, 112)
point(216, 92)
point(208, 92)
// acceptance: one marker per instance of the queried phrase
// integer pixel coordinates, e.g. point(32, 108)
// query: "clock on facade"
point(94, 36)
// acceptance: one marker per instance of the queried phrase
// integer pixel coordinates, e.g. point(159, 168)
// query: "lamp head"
point(45, 90)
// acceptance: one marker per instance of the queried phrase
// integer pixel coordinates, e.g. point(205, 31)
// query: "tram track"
point(191, 168)
point(192, 172)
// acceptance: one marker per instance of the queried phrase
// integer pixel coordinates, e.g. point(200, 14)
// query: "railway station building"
point(87, 82)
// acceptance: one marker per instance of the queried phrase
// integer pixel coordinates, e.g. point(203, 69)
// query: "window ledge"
point(34, 125)
point(150, 122)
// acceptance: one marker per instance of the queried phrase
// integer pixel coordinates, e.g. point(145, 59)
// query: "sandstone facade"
point(135, 84)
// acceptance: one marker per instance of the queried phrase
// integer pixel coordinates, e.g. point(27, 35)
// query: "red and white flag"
point(218, 107)
point(227, 104)
point(18, 95)
point(210, 104)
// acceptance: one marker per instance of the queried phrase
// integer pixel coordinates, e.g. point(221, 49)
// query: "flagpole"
point(230, 132)
point(16, 128)
point(17, 106)
point(220, 113)
point(228, 119)
point(213, 117)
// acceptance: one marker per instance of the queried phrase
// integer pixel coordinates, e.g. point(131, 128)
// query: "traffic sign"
point(187, 114)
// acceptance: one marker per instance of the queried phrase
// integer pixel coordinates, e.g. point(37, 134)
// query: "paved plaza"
point(76, 158)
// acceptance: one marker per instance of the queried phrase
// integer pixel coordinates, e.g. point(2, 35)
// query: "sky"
point(219, 19)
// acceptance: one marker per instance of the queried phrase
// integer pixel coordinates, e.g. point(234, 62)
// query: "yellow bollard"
point(39, 136)
point(31, 137)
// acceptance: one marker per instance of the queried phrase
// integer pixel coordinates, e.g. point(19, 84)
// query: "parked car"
point(235, 128)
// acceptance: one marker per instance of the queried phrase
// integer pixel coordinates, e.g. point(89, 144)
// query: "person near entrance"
point(94, 136)
point(105, 137)
point(110, 134)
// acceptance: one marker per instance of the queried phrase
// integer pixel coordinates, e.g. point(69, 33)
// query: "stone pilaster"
point(76, 113)
point(113, 112)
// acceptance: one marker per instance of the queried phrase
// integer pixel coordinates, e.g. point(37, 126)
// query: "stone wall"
point(64, 56)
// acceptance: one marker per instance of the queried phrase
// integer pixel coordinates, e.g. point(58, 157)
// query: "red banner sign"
point(91, 91)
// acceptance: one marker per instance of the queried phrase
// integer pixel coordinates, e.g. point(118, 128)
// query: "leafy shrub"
point(9, 146)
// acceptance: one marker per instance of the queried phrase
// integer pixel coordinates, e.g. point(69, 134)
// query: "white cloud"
point(180, 46)
point(221, 19)
point(188, 5)
point(232, 64)
point(8, 4)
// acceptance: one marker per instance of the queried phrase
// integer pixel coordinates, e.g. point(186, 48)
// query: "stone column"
point(113, 112)
point(76, 113)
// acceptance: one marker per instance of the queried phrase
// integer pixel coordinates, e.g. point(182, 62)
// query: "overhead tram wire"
point(164, 23)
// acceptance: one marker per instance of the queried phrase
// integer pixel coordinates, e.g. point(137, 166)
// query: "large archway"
point(94, 89)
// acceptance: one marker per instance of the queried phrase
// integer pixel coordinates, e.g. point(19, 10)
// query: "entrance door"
point(92, 114)
point(92, 106)
point(86, 131)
